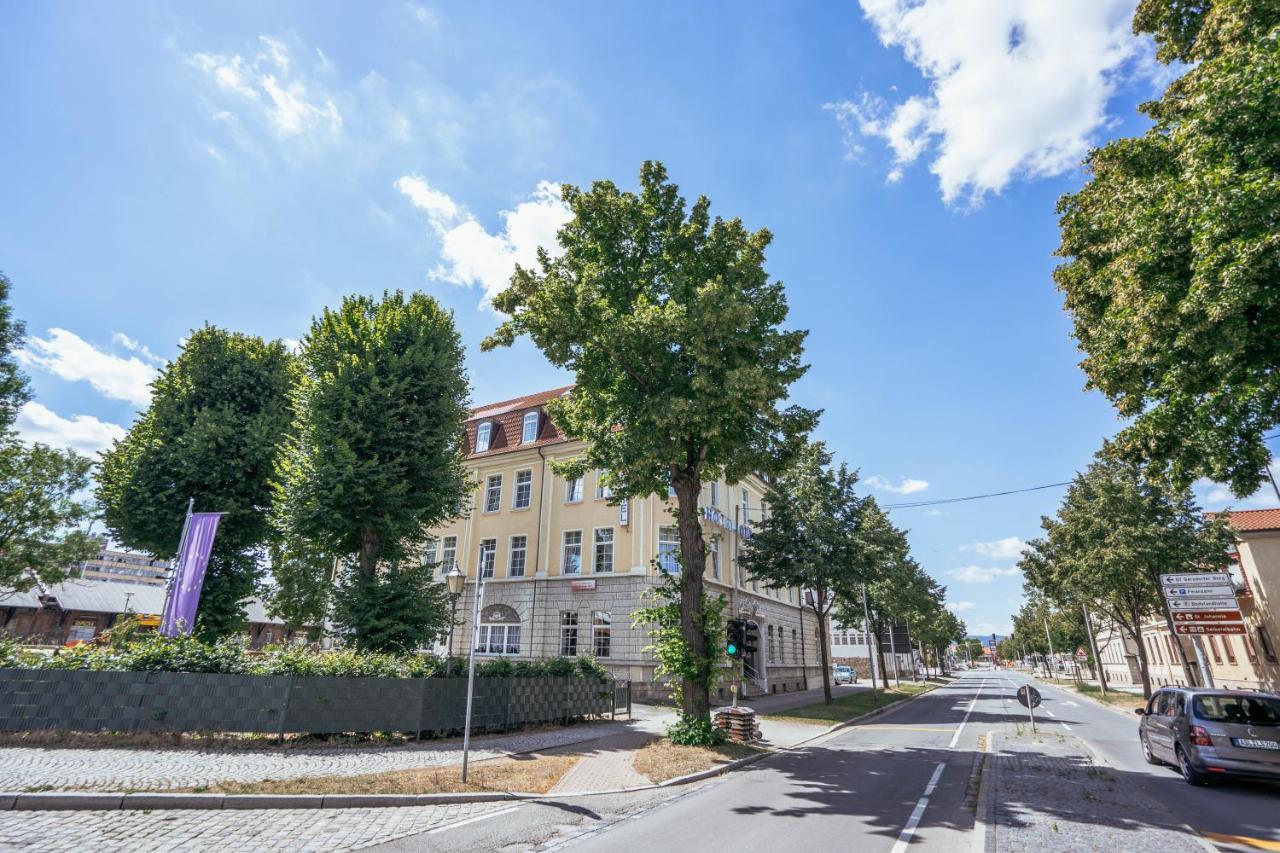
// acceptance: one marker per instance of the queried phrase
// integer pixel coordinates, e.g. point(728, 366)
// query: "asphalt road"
point(905, 778)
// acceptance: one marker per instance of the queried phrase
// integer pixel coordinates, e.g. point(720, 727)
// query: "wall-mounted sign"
point(719, 519)
point(624, 512)
point(581, 586)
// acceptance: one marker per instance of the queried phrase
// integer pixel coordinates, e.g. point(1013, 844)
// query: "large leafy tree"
point(809, 539)
point(39, 510)
point(218, 415)
point(673, 331)
point(376, 458)
point(1115, 533)
point(1173, 249)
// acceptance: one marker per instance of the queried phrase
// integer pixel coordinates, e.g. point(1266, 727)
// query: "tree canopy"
point(1173, 249)
point(217, 417)
point(13, 384)
point(673, 331)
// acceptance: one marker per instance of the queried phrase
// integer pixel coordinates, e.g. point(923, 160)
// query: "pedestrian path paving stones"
point(1045, 792)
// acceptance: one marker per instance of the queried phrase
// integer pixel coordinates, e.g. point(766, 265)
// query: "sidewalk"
point(1045, 792)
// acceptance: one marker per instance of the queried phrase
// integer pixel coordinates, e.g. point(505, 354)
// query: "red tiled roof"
point(507, 418)
point(1253, 519)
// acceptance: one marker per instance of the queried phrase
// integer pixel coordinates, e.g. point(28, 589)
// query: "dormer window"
point(483, 434)
point(529, 429)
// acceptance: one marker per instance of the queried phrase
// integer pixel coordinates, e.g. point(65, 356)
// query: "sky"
point(245, 164)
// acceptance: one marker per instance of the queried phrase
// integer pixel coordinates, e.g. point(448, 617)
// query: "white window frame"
point(715, 494)
point(602, 628)
point(603, 492)
point(595, 549)
point(511, 555)
point(573, 491)
point(713, 553)
point(527, 486)
point(746, 506)
point(489, 630)
point(484, 436)
point(429, 549)
point(448, 554)
point(671, 566)
point(493, 493)
point(528, 419)
point(568, 629)
point(483, 571)
point(564, 552)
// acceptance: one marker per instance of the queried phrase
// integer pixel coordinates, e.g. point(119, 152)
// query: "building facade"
point(565, 565)
point(116, 565)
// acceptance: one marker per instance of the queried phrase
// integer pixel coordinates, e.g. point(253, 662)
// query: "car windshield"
point(1249, 710)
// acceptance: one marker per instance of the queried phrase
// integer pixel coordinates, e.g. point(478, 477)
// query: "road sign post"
point(1200, 604)
point(1029, 697)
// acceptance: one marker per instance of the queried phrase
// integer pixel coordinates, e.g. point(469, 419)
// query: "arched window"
point(529, 428)
point(483, 433)
point(499, 631)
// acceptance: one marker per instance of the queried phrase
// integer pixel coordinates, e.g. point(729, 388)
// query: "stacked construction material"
point(739, 723)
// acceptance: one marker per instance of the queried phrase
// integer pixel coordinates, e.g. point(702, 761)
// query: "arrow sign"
point(1195, 578)
point(1201, 604)
point(1217, 590)
point(1224, 628)
point(1207, 616)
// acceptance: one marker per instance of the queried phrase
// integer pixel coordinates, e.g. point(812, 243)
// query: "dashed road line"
point(955, 738)
point(909, 831)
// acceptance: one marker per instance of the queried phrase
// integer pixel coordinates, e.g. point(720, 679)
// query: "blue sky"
point(246, 164)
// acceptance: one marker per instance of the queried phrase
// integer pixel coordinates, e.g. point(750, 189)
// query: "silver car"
point(843, 674)
point(1210, 734)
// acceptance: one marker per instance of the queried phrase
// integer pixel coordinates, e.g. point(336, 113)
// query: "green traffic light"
point(733, 650)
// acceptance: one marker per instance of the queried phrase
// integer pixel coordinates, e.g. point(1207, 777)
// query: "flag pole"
point(174, 570)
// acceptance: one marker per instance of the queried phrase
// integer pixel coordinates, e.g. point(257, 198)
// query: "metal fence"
point(79, 700)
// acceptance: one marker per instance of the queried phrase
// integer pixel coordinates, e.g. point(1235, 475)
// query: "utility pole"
point(1050, 639)
point(866, 636)
point(1093, 647)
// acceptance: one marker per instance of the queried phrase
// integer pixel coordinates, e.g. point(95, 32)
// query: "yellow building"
point(564, 568)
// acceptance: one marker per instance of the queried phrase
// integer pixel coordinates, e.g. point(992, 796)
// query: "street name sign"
point(1195, 579)
point(1218, 629)
point(1204, 604)
point(1224, 590)
point(1206, 615)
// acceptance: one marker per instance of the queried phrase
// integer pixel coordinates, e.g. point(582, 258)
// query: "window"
point(493, 493)
point(488, 550)
point(773, 649)
point(746, 507)
point(429, 556)
point(529, 428)
point(671, 490)
point(668, 550)
point(569, 633)
point(448, 554)
point(715, 493)
point(1230, 646)
point(1213, 646)
point(498, 631)
point(604, 549)
point(573, 490)
point(601, 626)
point(782, 646)
point(515, 562)
point(524, 490)
point(572, 562)
point(483, 433)
point(1268, 650)
point(603, 492)
point(795, 658)
point(1249, 650)
point(714, 552)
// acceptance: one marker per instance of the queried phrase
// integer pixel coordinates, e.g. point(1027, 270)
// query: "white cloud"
point(982, 574)
point(1015, 88)
point(1009, 548)
point(960, 606)
point(905, 486)
point(70, 357)
point(1215, 496)
point(470, 255)
point(133, 346)
point(270, 85)
point(83, 433)
point(427, 17)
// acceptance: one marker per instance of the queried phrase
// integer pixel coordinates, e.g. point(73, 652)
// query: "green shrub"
point(691, 731)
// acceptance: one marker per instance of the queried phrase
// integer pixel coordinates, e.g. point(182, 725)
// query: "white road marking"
point(909, 831)
point(956, 737)
point(1064, 725)
point(475, 819)
point(1050, 713)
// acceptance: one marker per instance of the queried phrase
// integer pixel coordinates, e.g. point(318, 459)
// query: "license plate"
point(1252, 743)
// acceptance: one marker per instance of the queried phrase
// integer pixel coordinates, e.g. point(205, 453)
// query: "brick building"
point(565, 566)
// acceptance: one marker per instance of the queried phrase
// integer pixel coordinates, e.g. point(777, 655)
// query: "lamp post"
point(455, 579)
point(471, 668)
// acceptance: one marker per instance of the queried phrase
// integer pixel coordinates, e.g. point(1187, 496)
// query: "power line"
point(914, 504)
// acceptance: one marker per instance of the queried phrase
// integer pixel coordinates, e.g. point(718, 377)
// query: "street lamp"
point(455, 579)
point(471, 665)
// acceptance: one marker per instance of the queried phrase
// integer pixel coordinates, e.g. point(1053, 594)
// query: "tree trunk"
point(1144, 665)
point(823, 646)
point(884, 676)
point(370, 545)
point(696, 691)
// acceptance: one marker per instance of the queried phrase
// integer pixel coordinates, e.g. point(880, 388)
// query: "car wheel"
point(1190, 775)
point(1147, 754)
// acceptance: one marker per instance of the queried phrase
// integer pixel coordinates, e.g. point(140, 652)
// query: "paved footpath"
point(73, 769)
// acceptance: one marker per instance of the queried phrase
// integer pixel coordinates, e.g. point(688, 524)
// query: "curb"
point(861, 718)
point(984, 816)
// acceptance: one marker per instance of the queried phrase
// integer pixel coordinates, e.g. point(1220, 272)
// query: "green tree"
point(809, 539)
point(39, 512)
point(935, 630)
point(672, 329)
point(218, 415)
point(1115, 533)
point(376, 459)
point(1173, 249)
point(399, 608)
point(1066, 626)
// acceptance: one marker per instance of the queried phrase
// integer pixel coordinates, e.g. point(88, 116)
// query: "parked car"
point(1209, 734)
point(845, 675)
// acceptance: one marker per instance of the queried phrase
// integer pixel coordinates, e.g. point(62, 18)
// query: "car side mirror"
point(1141, 712)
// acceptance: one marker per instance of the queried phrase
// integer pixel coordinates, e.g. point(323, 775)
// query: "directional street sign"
point(1219, 629)
point(1203, 604)
point(1206, 616)
point(1224, 590)
point(1195, 579)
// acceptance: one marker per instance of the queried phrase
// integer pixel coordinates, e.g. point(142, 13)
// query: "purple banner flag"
point(193, 559)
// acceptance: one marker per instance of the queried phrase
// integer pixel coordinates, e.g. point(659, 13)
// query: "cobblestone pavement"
point(606, 766)
point(1044, 792)
point(70, 769)
point(238, 830)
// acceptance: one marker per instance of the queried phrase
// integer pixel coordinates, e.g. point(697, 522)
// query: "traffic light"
point(735, 637)
point(750, 638)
